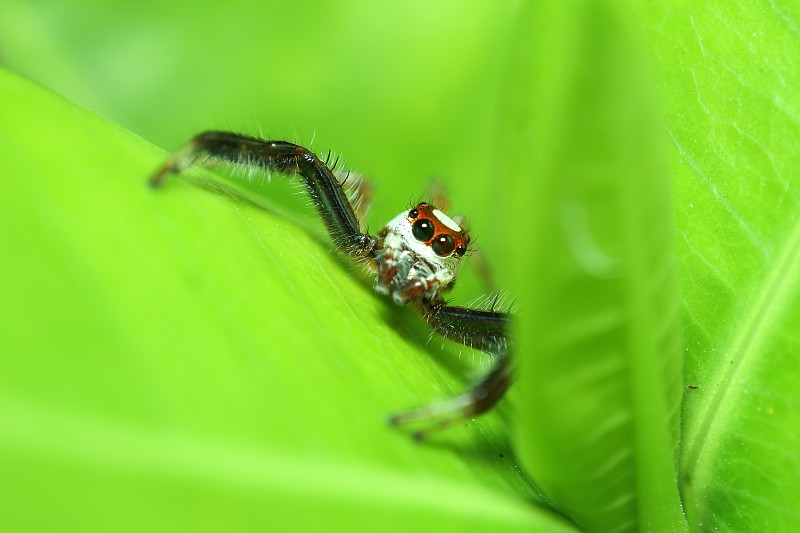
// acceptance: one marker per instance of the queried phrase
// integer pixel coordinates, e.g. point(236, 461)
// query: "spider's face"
point(432, 234)
point(422, 252)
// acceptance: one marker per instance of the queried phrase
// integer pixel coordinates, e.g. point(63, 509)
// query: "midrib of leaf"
point(777, 289)
point(652, 306)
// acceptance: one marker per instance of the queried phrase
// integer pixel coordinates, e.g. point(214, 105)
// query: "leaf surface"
point(731, 82)
point(600, 368)
point(188, 357)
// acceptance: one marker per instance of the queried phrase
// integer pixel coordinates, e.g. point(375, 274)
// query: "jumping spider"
point(415, 258)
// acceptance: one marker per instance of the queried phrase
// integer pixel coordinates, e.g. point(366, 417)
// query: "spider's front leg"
point(479, 329)
point(327, 193)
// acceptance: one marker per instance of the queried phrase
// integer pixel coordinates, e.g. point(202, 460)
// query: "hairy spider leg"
point(359, 191)
point(479, 329)
point(283, 157)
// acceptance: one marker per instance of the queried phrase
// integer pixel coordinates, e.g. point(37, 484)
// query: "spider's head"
point(422, 251)
point(428, 230)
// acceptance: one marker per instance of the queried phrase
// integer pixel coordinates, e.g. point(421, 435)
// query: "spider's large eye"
point(443, 245)
point(422, 229)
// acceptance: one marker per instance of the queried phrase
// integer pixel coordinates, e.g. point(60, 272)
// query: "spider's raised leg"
point(324, 188)
point(479, 329)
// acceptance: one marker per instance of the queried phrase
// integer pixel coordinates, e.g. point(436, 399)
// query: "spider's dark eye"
point(443, 245)
point(414, 213)
point(461, 249)
point(422, 229)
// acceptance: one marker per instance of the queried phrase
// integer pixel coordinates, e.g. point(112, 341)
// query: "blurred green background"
point(405, 93)
point(196, 358)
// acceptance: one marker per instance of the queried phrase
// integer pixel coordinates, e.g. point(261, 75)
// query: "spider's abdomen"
point(420, 254)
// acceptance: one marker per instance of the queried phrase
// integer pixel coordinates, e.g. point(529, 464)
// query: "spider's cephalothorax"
point(416, 257)
point(420, 254)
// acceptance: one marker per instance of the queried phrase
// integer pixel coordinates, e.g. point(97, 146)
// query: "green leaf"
point(734, 122)
point(600, 368)
point(406, 91)
point(187, 358)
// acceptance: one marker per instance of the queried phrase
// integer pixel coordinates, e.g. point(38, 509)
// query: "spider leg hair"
point(484, 330)
point(358, 189)
point(283, 157)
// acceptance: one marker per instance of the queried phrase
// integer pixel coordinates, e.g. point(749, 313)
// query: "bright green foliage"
point(730, 75)
point(601, 374)
point(194, 357)
point(185, 358)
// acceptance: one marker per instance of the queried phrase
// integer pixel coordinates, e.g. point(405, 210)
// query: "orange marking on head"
point(441, 231)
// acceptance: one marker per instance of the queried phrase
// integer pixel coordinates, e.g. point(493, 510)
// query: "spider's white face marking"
point(422, 251)
point(401, 236)
point(446, 220)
